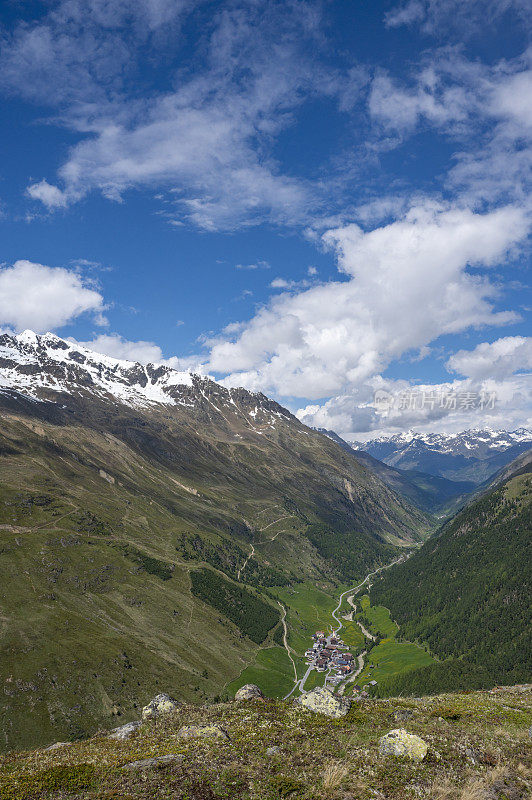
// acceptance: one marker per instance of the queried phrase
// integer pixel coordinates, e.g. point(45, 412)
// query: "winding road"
point(299, 683)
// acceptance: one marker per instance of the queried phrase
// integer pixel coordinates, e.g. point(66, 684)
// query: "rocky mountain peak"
point(46, 367)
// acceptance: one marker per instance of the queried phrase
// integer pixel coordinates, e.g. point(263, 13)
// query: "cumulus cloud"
point(405, 284)
point(50, 196)
point(497, 359)
point(116, 346)
point(45, 298)
point(444, 407)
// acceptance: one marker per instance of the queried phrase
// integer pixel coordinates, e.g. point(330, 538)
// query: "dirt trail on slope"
point(285, 641)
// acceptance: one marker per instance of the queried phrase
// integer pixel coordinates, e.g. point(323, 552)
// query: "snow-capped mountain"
point(46, 367)
point(470, 455)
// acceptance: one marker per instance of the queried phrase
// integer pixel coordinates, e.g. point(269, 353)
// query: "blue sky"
point(318, 200)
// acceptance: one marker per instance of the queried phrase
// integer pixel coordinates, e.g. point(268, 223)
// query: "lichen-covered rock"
point(249, 692)
point(124, 731)
point(162, 704)
point(323, 701)
point(202, 731)
point(401, 743)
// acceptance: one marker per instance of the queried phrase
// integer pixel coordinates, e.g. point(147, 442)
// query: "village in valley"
point(331, 655)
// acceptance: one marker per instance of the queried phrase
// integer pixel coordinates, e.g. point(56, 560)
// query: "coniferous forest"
point(466, 594)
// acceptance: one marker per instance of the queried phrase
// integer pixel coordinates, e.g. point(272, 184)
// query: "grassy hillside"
point(466, 593)
point(478, 748)
point(123, 534)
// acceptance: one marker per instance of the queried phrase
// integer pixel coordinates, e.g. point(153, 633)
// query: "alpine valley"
point(155, 527)
point(160, 532)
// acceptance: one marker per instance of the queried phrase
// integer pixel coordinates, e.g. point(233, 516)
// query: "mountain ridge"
point(108, 507)
point(471, 456)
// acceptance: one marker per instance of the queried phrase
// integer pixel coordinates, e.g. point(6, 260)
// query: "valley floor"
point(367, 632)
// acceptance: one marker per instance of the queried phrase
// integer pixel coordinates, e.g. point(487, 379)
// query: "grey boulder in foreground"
point(323, 701)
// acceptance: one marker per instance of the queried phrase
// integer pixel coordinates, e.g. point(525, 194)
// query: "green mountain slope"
point(466, 592)
point(430, 493)
point(125, 543)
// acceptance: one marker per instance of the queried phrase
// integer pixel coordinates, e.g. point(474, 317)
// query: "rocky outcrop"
point(249, 692)
point(162, 704)
point(401, 743)
point(125, 731)
point(202, 731)
point(56, 746)
point(158, 761)
point(323, 701)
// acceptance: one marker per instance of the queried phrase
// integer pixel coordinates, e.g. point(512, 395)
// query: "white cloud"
point(205, 144)
point(82, 51)
point(144, 352)
point(44, 298)
point(437, 16)
point(283, 283)
point(497, 360)
point(407, 283)
point(49, 195)
point(486, 109)
point(445, 407)
point(114, 345)
point(401, 109)
point(259, 264)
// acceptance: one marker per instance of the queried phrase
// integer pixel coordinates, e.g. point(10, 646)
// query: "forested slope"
point(466, 593)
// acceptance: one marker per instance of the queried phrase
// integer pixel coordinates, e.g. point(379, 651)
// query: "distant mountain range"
point(471, 456)
point(144, 513)
point(437, 472)
point(430, 493)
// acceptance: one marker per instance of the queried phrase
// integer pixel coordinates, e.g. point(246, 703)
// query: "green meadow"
point(389, 657)
point(379, 618)
point(308, 610)
point(272, 670)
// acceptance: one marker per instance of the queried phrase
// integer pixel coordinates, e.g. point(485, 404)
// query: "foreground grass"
point(475, 740)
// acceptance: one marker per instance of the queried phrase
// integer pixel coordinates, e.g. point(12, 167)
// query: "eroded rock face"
point(323, 701)
point(249, 692)
point(202, 731)
point(401, 743)
point(162, 704)
point(124, 731)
